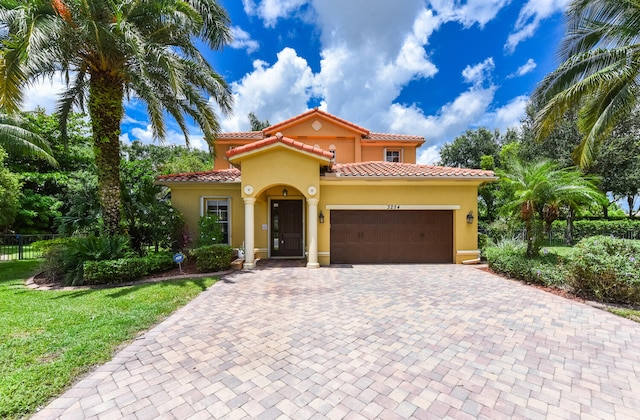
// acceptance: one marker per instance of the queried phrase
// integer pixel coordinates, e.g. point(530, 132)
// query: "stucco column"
point(249, 242)
point(312, 211)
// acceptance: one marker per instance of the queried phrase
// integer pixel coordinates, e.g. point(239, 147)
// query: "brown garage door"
point(382, 236)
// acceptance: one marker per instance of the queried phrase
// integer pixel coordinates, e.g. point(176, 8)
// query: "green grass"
point(562, 251)
point(11, 252)
point(49, 338)
point(632, 314)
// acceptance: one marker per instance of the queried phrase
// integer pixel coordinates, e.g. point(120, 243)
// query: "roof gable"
point(315, 113)
point(278, 140)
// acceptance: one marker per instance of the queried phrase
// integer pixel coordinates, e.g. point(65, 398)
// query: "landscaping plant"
point(607, 269)
point(213, 258)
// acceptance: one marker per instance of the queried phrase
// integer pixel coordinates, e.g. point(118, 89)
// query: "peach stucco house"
point(318, 187)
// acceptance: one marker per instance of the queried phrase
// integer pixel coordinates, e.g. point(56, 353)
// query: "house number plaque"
point(393, 207)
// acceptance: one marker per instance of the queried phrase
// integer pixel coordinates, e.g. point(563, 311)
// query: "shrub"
point(125, 269)
point(210, 231)
point(213, 257)
point(52, 251)
point(547, 269)
point(483, 240)
point(607, 269)
point(158, 262)
point(113, 271)
point(586, 228)
point(91, 248)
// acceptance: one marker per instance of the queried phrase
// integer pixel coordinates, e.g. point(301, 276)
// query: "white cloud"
point(510, 115)
point(527, 67)
point(174, 137)
point(531, 14)
point(274, 92)
point(242, 40)
point(469, 13)
point(479, 73)
point(43, 94)
point(375, 49)
point(428, 156)
point(272, 10)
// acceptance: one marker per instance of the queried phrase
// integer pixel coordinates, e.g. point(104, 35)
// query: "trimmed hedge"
point(125, 269)
point(607, 269)
point(587, 228)
point(547, 269)
point(210, 258)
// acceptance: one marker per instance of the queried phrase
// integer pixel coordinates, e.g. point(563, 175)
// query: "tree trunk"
point(568, 234)
point(105, 108)
point(528, 227)
point(630, 203)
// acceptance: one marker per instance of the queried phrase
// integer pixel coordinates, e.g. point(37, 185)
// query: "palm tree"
point(17, 140)
point(537, 191)
point(112, 50)
point(600, 74)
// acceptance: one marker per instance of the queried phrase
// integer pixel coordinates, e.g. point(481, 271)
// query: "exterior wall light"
point(285, 192)
point(321, 217)
point(470, 217)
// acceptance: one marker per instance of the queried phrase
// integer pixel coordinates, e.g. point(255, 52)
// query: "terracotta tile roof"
point(393, 137)
point(279, 139)
point(307, 114)
point(249, 135)
point(392, 169)
point(221, 175)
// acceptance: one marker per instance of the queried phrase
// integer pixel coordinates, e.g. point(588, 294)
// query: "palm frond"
point(20, 141)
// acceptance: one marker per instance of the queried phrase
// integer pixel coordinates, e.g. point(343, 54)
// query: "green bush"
point(52, 251)
point(90, 248)
point(125, 269)
point(113, 271)
point(587, 228)
point(483, 240)
point(216, 257)
point(607, 269)
point(210, 231)
point(547, 269)
point(158, 262)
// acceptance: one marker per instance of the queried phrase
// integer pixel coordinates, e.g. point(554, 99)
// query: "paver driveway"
point(422, 341)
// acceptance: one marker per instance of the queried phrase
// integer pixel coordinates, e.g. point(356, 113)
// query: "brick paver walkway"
point(417, 341)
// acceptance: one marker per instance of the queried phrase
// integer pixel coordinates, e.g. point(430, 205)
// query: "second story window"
point(392, 155)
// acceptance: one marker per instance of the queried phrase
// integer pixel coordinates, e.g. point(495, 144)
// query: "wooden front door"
point(286, 228)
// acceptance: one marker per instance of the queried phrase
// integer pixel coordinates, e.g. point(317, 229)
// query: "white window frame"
point(394, 149)
point(203, 211)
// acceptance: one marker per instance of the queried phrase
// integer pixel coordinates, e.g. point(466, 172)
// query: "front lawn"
point(49, 338)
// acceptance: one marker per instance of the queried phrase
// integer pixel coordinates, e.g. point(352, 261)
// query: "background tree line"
point(37, 196)
point(616, 165)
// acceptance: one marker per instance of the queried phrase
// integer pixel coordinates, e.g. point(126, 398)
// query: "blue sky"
point(430, 68)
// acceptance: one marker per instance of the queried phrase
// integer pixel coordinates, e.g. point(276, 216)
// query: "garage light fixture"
point(285, 192)
point(470, 217)
point(321, 217)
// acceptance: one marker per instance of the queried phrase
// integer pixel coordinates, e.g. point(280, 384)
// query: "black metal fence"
point(556, 237)
point(18, 247)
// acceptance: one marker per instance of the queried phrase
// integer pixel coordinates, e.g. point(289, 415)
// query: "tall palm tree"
point(600, 73)
point(537, 190)
point(17, 140)
point(112, 50)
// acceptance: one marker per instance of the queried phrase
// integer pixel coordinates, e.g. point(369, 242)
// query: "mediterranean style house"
point(318, 187)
